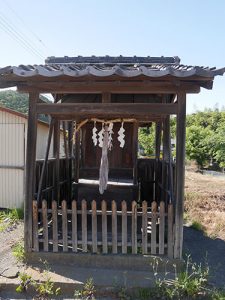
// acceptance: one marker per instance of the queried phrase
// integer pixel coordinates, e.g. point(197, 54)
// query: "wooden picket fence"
point(139, 230)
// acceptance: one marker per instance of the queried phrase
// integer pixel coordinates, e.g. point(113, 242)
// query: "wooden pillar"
point(30, 170)
point(166, 138)
point(135, 152)
point(77, 156)
point(158, 133)
point(56, 149)
point(180, 173)
point(71, 153)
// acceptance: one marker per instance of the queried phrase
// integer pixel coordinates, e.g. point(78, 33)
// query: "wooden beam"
point(107, 109)
point(141, 119)
point(30, 170)
point(180, 172)
point(121, 87)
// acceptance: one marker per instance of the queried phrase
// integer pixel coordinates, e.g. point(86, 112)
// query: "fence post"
point(144, 228)
point(74, 225)
point(84, 225)
point(104, 227)
point(64, 226)
point(153, 228)
point(170, 231)
point(161, 227)
point(134, 227)
point(45, 224)
point(94, 227)
point(124, 226)
point(35, 226)
point(55, 226)
point(114, 227)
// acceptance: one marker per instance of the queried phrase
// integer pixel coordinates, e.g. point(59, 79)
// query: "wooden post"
point(77, 156)
point(56, 145)
point(106, 97)
point(68, 184)
point(43, 170)
point(158, 137)
point(158, 133)
point(70, 155)
point(135, 150)
point(180, 169)
point(30, 170)
point(166, 138)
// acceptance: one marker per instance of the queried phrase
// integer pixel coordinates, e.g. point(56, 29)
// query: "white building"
point(13, 134)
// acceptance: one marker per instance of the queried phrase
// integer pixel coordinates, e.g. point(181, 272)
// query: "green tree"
point(146, 138)
point(197, 146)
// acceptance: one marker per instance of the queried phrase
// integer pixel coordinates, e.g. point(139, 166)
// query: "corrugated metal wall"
point(13, 133)
point(11, 165)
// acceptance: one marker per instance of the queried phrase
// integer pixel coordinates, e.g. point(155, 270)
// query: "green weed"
point(44, 289)
point(190, 283)
point(10, 217)
point(88, 291)
point(25, 281)
point(197, 226)
point(18, 252)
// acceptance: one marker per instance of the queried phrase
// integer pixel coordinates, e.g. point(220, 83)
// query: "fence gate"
point(12, 153)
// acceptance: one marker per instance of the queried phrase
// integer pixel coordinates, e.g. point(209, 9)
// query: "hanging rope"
point(104, 166)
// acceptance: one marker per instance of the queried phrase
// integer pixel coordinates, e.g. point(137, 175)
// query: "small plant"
point(18, 252)
point(197, 226)
point(87, 292)
point(9, 218)
point(187, 284)
point(46, 287)
point(144, 293)
point(25, 281)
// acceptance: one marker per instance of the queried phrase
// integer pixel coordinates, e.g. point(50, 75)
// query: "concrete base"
point(108, 261)
point(110, 273)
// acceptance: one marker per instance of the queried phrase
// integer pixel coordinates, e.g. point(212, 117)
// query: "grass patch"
point(197, 226)
point(18, 252)
point(10, 217)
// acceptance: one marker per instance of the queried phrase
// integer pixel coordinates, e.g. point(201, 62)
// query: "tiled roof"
point(152, 67)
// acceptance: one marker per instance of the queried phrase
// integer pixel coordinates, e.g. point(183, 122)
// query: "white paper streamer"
point(121, 136)
point(94, 135)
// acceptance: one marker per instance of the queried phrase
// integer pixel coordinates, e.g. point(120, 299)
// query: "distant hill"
point(19, 102)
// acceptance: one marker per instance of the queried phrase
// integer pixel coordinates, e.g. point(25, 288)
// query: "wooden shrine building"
point(99, 104)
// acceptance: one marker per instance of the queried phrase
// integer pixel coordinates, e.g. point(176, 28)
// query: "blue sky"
point(192, 30)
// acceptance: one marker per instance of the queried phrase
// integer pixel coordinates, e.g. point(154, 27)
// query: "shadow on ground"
point(203, 248)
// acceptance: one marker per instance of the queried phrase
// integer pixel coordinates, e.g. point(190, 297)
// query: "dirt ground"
point(8, 238)
point(205, 202)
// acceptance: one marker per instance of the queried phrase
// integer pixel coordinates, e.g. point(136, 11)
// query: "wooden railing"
point(110, 228)
point(156, 182)
point(155, 179)
point(48, 186)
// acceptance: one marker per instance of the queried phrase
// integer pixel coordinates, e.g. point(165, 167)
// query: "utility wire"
point(19, 37)
point(25, 25)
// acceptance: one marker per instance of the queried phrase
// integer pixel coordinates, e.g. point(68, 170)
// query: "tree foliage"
point(18, 102)
point(205, 137)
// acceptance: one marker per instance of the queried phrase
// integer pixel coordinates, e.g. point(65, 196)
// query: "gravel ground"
point(8, 238)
